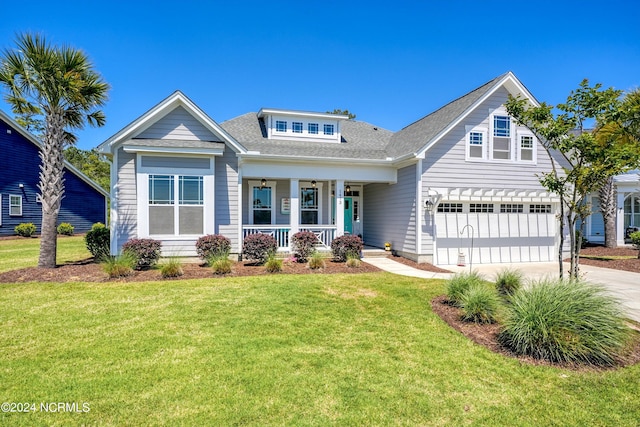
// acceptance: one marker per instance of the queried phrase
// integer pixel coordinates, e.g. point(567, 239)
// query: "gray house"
point(462, 175)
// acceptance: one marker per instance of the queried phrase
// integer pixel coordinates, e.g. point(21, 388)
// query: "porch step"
point(370, 252)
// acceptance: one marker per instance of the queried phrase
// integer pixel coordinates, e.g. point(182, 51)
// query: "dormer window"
point(313, 128)
point(281, 126)
point(328, 129)
point(296, 127)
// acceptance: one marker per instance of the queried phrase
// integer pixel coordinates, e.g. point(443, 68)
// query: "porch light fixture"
point(348, 188)
point(428, 204)
point(431, 200)
point(313, 184)
point(263, 183)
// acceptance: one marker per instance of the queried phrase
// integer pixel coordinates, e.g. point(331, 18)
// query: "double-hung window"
point(526, 147)
point(501, 149)
point(15, 205)
point(166, 217)
point(476, 143)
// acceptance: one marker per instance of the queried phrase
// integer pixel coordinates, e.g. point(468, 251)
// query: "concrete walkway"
point(623, 285)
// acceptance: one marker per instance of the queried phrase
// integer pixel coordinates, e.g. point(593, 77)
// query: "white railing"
point(324, 233)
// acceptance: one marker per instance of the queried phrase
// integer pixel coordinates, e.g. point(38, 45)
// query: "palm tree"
point(60, 84)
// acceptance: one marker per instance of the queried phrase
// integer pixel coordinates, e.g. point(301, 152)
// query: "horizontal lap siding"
point(82, 205)
point(226, 197)
point(178, 124)
point(125, 195)
point(389, 212)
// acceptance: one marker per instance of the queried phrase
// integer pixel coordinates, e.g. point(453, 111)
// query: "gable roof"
point(360, 141)
point(31, 138)
point(419, 136)
point(164, 107)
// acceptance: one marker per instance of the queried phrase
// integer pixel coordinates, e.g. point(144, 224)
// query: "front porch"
point(324, 233)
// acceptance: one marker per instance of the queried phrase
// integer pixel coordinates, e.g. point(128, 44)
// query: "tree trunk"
point(51, 187)
point(608, 200)
point(561, 244)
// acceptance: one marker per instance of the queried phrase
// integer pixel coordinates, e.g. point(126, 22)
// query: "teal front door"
point(348, 215)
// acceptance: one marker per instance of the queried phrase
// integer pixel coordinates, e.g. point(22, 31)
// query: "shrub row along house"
point(464, 175)
point(84, 202)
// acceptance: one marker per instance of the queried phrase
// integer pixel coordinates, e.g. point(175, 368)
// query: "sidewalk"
point(623, 285)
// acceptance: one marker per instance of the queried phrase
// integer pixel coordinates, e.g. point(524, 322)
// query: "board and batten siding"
point(445, 164)
point(126, 197)
point(226, 198)
point(390, 213)
point(178, 124)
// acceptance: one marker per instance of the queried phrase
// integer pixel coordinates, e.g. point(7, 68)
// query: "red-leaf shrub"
point(257, 247)
point(346, 245)
point(145, 251)
point(213, 245)
point(303, 244)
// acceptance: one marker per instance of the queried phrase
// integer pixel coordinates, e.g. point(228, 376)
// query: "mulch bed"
point(423, 266)
point(88, 271)
point(632, 264)
point(487, 335)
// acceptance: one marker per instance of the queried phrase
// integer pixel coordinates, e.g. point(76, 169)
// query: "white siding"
point(125, 194)
point(389, 213)
point(178, 124)
point(227, 197)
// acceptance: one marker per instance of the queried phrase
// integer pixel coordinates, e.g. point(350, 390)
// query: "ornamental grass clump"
point(566, 322)
point(353, 261)
point(258, 246)
point(145, 251)
point(172, 267)
point(220, 265)
point(316, 261)
point(120, 265)
point(303, 245)
point(459, 283)
point(508, 281)
point(480, 303)
point(273, 264)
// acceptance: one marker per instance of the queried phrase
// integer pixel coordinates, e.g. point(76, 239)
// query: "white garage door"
point(497, 237)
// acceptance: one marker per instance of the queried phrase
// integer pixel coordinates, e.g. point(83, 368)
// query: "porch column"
point(620, 219)
point(339, 207)
point(294, 213)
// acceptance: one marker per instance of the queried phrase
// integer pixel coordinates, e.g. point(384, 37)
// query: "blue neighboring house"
point(84, 202)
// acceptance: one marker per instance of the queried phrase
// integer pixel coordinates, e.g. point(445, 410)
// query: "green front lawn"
point(23, 252)
point(277, 350)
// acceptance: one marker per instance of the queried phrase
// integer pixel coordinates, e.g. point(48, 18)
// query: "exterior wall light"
point(263, 183)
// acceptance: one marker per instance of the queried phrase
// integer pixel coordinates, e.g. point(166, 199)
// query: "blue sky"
point(391, 63)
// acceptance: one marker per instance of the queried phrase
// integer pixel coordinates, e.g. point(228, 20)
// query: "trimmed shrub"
point(258, 246)
point(25, 229)
point(146, 251)
point(213, 245)
point(346, 245)
point(303, 245)
point(273, 264)
point(574, 322)
point(120, 265)
point(635, 241)
point(65, 229)
point(508, 281)
point(316, 261)
point(97, 241)
point(459, 283)
point(221, 265)
point(172, 267)
point(480, 304)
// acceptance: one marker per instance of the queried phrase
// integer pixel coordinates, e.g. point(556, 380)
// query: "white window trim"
point(511, 136)
point(534, 149)
point(11, 205)
point(142, 187)
point(271, 184)
point(484, 132)
point(319, 186)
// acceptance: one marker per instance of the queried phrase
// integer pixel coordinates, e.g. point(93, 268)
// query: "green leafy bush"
point(459, 283)
point(258, 246)
point(213, 245)
point(346, 245)
point(316, 261)
point(558, 321)
point(146, 251)
point(303, 244)
point(635, 241)
point(273, 264)
point(508, 281)
point(120, 265)
point(220, 264)
point(25, 229)
point(97, 241)
point(172, 267)
point(480, 303)
point(65, 229)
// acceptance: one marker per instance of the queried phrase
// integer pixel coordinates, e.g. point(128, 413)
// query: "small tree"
point(583, 164)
